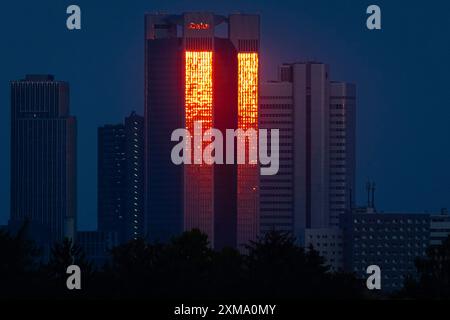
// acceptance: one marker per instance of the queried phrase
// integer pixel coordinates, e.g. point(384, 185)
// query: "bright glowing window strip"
point(198, 89)
point(248, 90)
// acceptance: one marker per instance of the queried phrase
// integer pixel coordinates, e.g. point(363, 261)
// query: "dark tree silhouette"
point(273, 267)
point(18, 262)
point(65, 254)
point(54, 275)
point(227, 273)
point(433, 275)
point(185, 263)
point(133, 266)
point(278, 268)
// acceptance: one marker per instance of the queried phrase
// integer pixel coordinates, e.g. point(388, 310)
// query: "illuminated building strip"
point(248, 91)
point(198, 188)
point(248, 174)
point(198, 94)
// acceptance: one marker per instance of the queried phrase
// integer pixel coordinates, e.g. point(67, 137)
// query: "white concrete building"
point(329, 243)
point(342, 149)
point(298, 104)
point(439, 227)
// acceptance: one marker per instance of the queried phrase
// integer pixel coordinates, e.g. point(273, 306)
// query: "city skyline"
point(373, 144)
point(165, 205)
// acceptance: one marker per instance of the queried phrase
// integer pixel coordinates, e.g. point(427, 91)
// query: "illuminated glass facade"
point(198, 108)
point(196, 76)
point(248, 90)
point(248, 173)
point(198, 93)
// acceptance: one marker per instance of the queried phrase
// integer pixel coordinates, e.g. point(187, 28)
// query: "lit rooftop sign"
point(198, 26)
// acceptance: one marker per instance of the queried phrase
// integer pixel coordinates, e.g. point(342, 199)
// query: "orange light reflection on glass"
point(198, 93)
point(248, 91)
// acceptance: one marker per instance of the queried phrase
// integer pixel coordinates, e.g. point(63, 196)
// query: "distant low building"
point(329, 243)
point(391, 241)
point(97, 245)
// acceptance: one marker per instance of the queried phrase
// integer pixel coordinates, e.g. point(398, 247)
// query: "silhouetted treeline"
point(273, 267)
point(433, 279)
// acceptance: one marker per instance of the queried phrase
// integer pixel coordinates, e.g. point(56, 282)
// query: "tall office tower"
point(121, 178)
point(298, 104)
point(195, 76)
point(277, 192)
point(342, 149)
point(110, 178)
point(164, 100)
point(134, 155)
point(244, 33)
point(43, 158)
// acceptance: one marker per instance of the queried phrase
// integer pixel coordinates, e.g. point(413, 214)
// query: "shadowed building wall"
point(43, 158)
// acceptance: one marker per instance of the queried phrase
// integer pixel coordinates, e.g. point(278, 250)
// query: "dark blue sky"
point(401, 74)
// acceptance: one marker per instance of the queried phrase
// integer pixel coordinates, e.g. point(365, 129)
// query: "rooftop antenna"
point(368, 189)
point(373, 194)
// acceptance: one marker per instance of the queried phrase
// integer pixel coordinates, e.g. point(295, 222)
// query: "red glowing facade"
point(248, 90)
point(198, 93)
point(200, 77)
point(198, 108)
point(248, 173)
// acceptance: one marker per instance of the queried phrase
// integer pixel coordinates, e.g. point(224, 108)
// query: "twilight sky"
point(401, 73)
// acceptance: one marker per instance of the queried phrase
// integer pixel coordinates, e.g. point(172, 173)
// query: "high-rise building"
point(342, 149)
point(193, 75)
point(277, 192)
point(134, 180)
point(121, 178)
point(244, 33)
point(43, 158)
point(298, 104)
point(164, 112)
point(110, 178)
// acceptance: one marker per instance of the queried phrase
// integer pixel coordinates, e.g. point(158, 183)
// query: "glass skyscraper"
point(43, 158)
point(193, 75)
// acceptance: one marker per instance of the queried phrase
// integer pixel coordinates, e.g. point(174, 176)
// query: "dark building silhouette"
point(164, 99)
point(191, 77)
point(120, 178)
point(43, 158)
point(111, 177)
